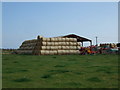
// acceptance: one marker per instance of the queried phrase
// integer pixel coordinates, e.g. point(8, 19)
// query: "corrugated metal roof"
point(79, 38)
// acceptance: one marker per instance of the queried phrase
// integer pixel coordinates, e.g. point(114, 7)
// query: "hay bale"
point(67, 39)
point(62, 47)
point(78, 47)
point(49, 43)
point(64, 43)
point(59, 39)
point(56, 39)
point(78, 52)
point(52, 44)
point(48, 47)
point(63, 39)
point(42, 52)
point(67, 43)
point(74, 39)
point(67, 51)
point(51, 47)
point(60, 52)
point(55, 52)
point(74, 47)
point(51, 52)
point(59, 43)
point(71, 51)
point(74, 44)
point(44, 43)
point(63, 52)
point(55, 47)
point(44, 39)
point(59, 47)
point(78, 43)
point(71, 47)
point(43, 47)
point(47, 52)
point(71, 43)
point(70, 39)
point(47, 39)
point(52, 40)
point(56, 43)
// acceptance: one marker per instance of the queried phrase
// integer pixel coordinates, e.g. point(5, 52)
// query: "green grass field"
point(60, 71)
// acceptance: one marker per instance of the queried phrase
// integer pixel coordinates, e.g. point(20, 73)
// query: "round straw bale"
point(78, 52)
point(78, 47)
point(75, 52)
point(67, 47)
point(74, 47)
point(52, 43)
point(70, 39)
point(55, 47)
point(60, 52)
point(63, 39)
point(59, 47)
point(62, 47)
point(52, 39)
point(55, 39)
point(67, 43)
point(49, 43)
point(63, 52)
point(44, 43)
point(47, 52)
point(43, 52)
point(78, 43)
point(71, 51)
point(71, 43)
point(48, 47)
point(51, 48)
point(48, 39)
point(74, 43)
point(74, 39)
point(55, 43)
point(64, 43)
point(44, 39)
point(59, 43)
point(67, 39)
point(51, 52)
point(43, 47)
point(71, 47)
point(67, 51)
point(59, 39)
point(55, 52)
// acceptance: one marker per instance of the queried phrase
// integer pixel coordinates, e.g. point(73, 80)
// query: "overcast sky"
point(24, 20)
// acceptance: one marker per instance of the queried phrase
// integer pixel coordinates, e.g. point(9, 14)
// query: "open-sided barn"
point(69, 44)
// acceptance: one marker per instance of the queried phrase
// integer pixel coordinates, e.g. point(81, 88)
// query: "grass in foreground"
point(60, 71)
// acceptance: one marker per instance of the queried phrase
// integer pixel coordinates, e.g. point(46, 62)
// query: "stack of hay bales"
point(27, 47)
point(58, 46)
point(50, 46)
point(106, 45)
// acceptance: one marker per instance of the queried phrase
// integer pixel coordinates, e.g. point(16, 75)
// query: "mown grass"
point(60, 71)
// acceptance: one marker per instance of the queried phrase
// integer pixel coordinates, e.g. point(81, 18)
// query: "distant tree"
point(118, 45)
